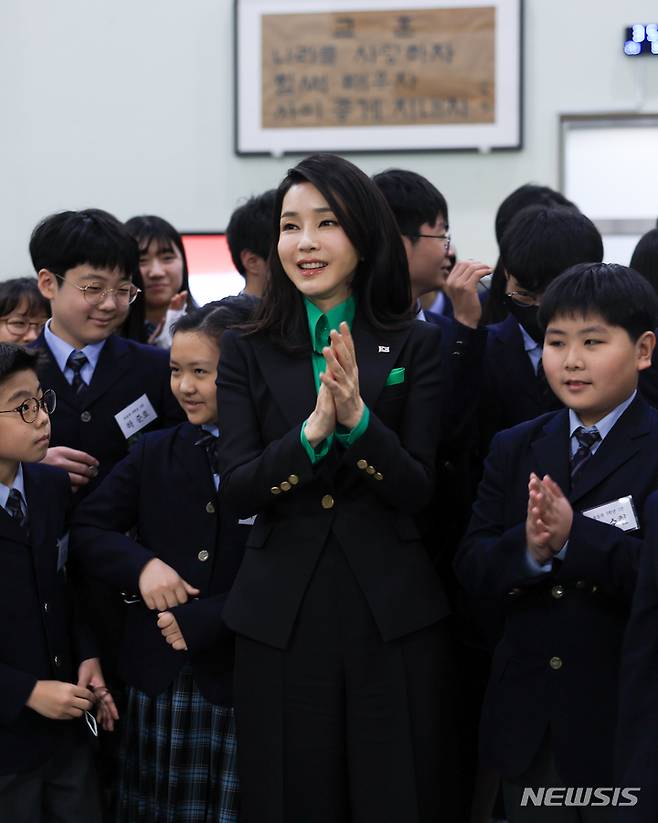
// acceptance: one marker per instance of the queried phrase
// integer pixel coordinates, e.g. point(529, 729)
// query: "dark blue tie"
point(76, 361)
point(586, 439)
point(14, 508)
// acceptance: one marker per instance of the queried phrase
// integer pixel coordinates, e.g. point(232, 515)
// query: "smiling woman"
point(328, 407)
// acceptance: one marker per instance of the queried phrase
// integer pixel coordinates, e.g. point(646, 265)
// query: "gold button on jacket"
point(327, 502)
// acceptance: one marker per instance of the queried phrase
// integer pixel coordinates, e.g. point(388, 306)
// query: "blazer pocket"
point(259, 534)
point(393, 391)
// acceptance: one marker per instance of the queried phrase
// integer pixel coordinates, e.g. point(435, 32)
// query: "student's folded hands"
point(549, 518)
point(162, 588)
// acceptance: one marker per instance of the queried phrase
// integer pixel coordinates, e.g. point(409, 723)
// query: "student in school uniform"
point(50, 675)
point(110, 390)
point(329, 418)
point(637, 730)
point(23, 311)
point(555, 538)
point(154, 521)
point(249, 237)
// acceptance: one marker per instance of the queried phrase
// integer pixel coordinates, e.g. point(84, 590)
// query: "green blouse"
point(319, 326)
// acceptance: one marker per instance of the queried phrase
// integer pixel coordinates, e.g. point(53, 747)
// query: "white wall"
point(128, 105)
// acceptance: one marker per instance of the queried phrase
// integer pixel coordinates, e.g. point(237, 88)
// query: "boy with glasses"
point(110, 390)
point(50, 676)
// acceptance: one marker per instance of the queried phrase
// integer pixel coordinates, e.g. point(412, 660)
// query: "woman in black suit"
point(328, 408)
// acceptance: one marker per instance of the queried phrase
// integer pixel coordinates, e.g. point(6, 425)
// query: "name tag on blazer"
point(136, 416)
point(396, 376)
point(620, 513)
point(247, 521)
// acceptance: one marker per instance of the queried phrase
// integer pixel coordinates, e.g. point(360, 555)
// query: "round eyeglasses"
point(95, 294)
point(30, 408)
point(18, 326)
point(524, 299)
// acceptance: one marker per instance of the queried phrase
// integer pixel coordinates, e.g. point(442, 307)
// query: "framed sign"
point(373, 75)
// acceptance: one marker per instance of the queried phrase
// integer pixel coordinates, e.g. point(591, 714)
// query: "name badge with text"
point(620, 513)
point(136, 416)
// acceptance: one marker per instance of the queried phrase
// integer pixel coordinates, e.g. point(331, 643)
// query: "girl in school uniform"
point(329, 409)
point(177, 758)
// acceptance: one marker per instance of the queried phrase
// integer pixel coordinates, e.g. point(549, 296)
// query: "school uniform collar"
point(61, 350)
point(320, 324)
point(529, 343)
point(18, 484)
point(606, 423)
point(420, 313)
point(211, 428)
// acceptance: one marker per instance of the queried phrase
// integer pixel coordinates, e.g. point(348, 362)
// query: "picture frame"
point(374, 76)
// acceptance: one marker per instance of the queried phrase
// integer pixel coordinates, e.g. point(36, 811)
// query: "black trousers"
point(342, 727)
point(62, 790)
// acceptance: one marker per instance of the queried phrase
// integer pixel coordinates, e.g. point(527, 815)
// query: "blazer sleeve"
point(100, 546)
point(249, 468)
point(492, 556)
point(406, 459)
point(201, 624)
point(15, 687)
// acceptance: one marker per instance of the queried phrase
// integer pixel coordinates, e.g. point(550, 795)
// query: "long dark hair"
point(381, 280)
point(145, 229)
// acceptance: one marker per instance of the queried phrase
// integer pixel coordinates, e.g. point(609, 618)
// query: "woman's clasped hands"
point(339, 400)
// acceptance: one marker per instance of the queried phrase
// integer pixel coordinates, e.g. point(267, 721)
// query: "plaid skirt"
point(177, 759)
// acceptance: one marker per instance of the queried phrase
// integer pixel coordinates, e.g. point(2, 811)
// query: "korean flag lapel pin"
point(384, 350)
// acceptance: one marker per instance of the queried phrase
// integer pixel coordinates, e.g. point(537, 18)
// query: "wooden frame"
point(340, 75)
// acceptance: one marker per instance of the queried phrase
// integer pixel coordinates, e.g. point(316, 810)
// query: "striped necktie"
point(586, 439)
point(77, 360)
point(14, 507)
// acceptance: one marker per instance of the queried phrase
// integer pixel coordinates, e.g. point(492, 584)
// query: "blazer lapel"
point(193, 461)
point(512, 351)
point(551, 450)
point(623, 442)
point(51, 376)
point(376, 354)
point(36, 496)
point(289, 379)
point(113, 362)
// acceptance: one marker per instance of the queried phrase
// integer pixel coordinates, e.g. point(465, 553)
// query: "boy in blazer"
point(49, 673)
point(110, 390)
point(555, 539)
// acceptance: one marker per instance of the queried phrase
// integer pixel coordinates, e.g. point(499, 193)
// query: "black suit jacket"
point(125, 371)
point(164, 494)
point(365, 496)
point(637, 752)
point(576, 615)
point(41, 637)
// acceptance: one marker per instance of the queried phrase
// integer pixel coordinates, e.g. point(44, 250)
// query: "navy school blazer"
point(557, 664)
point(163, 493)
point(637, 730)
point(364, 496)
point(42, 636)
point(125, 371)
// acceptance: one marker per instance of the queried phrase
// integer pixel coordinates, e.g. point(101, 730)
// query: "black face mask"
point(527, 316)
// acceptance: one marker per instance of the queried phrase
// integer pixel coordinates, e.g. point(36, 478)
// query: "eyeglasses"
point(445, 237)
point(19, 327)
point(93, 294)
point(525, 299)
point(30, 408)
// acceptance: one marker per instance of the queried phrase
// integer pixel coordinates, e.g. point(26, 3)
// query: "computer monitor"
point(212, 273)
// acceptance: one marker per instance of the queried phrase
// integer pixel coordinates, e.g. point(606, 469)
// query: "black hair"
point(22, 288)
point(68, 239)
point(14, 358)
point(214, 318)
point(530, 194)
point(381, 279)
point(250, 228)
point(413, 200)
point(541, 242)
point(145, 229)
point(621, 296)
point(645, 257)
